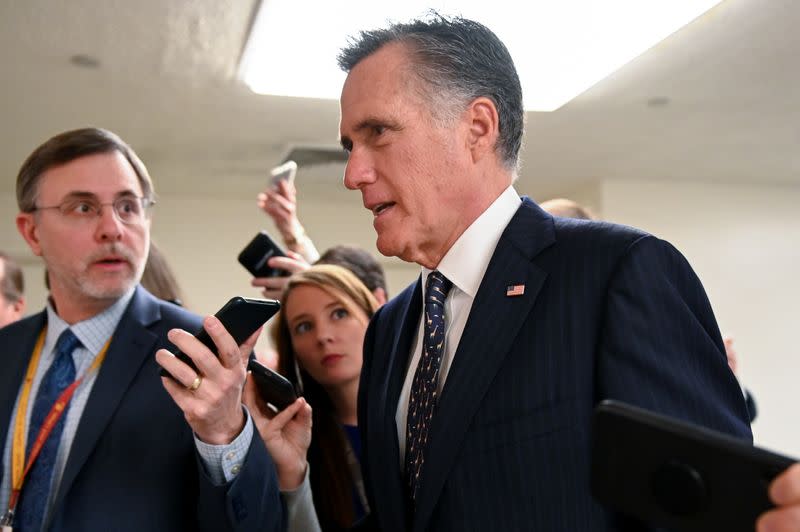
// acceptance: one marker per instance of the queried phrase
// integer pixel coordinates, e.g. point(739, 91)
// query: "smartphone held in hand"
point(241, 317)
point(255, 256)
point(285, 172)
point(273, 387)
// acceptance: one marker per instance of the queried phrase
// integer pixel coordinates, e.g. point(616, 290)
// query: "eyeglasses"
point(130, 210)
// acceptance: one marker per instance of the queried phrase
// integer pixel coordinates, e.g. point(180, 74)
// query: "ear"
point(380, 296)
point(19, 306)
point(484, 127)
point(26, 225)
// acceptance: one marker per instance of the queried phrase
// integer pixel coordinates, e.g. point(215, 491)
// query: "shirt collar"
point(93, 332)
point(468, 258)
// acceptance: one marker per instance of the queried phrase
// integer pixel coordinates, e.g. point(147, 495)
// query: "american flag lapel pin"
point(514, 290)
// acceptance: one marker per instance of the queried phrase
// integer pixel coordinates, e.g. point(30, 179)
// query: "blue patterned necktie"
point(424, 395)
point(61, 373)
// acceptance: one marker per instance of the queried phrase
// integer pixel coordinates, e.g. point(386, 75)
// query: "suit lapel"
point(384, 447)
point(16, 354)
point(131, 344)
point(491, 328)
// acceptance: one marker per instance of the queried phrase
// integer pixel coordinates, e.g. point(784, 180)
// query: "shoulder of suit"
point(179, 316)
point(596, 232)
point(21, 326)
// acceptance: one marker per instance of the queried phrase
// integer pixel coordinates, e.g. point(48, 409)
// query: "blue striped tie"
point(424, 395)
point(60, 374)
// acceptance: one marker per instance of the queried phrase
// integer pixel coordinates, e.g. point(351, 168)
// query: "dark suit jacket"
point(133, 464)
point(608, 312)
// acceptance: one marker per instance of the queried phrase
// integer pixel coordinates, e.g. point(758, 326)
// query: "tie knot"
point(436, 288)
point(67, 342)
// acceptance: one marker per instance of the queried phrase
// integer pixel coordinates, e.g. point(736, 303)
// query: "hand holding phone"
point(285, 172)
point(241, 317)
point(255, 256)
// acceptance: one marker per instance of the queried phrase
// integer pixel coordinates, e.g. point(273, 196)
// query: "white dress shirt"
point(464, 265)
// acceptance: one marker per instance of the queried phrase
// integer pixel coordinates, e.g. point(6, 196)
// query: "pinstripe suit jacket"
point(133, 464)
point(608, 312)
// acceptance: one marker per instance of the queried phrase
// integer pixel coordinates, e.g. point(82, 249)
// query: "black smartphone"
point(241, 317)
point(274, 388)
point(678, 475)
point(257, 253)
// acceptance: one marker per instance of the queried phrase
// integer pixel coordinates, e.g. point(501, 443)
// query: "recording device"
point(285, 172)
point(679, 475)
point(256, 254)
point(241, 317)
point(273, 387)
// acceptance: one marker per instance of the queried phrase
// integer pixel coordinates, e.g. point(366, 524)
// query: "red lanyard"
point(19, 470)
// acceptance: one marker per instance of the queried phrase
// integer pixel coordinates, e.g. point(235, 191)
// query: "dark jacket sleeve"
point(250, 502)
point(660, 347)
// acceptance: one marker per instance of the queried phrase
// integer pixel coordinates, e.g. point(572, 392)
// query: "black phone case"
point(255, 255)
point(241, 317)
point(273, 387)
point(678, 475)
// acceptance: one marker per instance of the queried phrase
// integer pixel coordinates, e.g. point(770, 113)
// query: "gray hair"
point(458, 60)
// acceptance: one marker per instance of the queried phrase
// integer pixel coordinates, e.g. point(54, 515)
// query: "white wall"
point(744, 243)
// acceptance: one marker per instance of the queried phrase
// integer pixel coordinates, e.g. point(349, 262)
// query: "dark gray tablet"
point(677, 475)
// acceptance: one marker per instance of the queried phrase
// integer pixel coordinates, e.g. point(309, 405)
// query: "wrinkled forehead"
point(103, 175)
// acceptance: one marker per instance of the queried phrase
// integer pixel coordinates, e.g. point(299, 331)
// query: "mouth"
point(380, 208)
point(329, 360)
point(111, 262)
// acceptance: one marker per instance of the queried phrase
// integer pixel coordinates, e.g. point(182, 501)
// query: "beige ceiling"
point(166, 83)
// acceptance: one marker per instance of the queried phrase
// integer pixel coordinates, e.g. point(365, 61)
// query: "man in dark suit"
point(120, 454)
point(480, 379)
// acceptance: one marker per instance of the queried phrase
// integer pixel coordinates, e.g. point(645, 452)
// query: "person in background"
point(355, 259)
point(159, 279)
point(479, 380)
point(12, 291)
point(567, 208)
point(279, 201)
point(319, 336)
point(122, 454)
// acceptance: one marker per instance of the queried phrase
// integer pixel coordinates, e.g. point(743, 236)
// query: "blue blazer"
point(133, 464)
point(608, 312)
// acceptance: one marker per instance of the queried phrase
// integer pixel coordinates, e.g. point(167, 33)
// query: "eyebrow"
point(83, 194)
point(306, 316)
point(371, 121)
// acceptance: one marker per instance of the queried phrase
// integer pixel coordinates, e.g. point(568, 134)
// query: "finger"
point(270, 283)
point(183, 397)
point(252, 400)
point(289, 264)
point(180, 371)
point(228, 351)
point(780, 520)
point(785, 489)
point(272, 294)
point(282, 203)
point(287, 190)
point(286, 415)
point(204, 359)
point(247, 346)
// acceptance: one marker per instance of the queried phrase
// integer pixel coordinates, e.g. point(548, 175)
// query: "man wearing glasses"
point(92, 437)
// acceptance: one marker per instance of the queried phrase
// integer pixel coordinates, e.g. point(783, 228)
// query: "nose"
point(360, 170)
point(109, 227)
point(324, 333)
